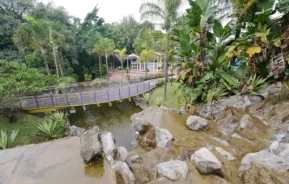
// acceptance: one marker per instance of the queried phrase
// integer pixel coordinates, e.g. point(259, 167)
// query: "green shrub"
point(159, 101)
point(53, 126)
point(7, 142)
point(146, 97)
point(160, 82)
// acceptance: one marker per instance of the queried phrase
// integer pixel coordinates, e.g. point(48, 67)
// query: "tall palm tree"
point(122, 56)
point(105, 47)
point(167, 12)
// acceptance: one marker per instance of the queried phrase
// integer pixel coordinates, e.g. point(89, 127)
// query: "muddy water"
point(115, 119)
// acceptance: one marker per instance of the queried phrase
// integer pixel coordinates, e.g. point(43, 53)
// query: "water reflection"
point(115, 119)
point(95, 169)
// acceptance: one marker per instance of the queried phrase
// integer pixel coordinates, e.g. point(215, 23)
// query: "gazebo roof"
point(132, 56)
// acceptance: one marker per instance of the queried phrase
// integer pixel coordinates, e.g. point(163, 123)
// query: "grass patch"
point(27, 125)
point(171, 101)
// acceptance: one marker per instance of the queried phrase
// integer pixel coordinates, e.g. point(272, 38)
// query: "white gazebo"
point(151, 65)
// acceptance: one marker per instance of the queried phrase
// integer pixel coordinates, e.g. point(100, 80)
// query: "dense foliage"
point(220, 56)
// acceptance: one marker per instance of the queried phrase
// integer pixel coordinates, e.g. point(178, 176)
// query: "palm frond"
point(153, 7)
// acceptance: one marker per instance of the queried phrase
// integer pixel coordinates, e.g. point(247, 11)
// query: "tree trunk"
point(43, 54)
point(121, 68)
point(60, 64)
point(203, 42)
point(107, 66)
point(166, 67)
point(54, 50)
point(99, 61)
point(146, 69)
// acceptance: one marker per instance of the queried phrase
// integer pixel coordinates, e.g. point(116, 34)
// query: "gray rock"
point(151, 115)
point(277, 161)
point(120, 154)
point(108, 145)
point(256, 99)
point(197, 123)
point(136, 159)
point(122, 170)
point(271, 89)
point(226, 154)
point(173, 169)
point(90, 146)
point(246, 122)
point(163, 137)
point(75, 131)
point(210, 111)
point(207, 162)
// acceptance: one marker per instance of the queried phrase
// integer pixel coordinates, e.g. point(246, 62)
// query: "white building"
point(134, 64)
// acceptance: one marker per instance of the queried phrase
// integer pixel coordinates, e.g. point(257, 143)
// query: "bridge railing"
point(87, 98)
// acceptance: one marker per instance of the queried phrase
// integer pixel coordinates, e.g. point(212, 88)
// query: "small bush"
point(53, 126)
point(159, 101)
point(5, 141)
point(160, 82)
point(146, 97)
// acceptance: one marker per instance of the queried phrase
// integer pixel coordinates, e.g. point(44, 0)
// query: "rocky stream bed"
point(242, 139)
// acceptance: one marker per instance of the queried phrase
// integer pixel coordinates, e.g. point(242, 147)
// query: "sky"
point(110, 10)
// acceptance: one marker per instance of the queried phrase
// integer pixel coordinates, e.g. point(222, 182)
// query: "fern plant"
point(215, 95)
point(146, 97)
point(7, 142)
point(255, 85)
point(159, 101)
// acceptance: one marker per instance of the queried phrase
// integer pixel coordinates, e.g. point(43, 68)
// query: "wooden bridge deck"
point(96, 96)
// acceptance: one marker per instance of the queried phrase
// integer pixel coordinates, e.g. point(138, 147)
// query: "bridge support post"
point(137, 89)
point(81, 100)
point(94, 97)
point(119, 94)
point(36, 101)
point(52, 100)
point(129, 91)
point(107, 95)
point(66, 98)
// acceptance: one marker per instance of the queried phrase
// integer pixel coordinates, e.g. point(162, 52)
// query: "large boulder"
point(151, 115)
point(147, 137)
point(151, 137)
point(120, 154)
point(75, 131)
point(173, 169)
point(197, 123)
point(144, 165)
point(163, 138)
point(207, 162)
point(276, 160)
point(90, 146)
point(124, 174)
point(257, 174)
point(108, 144)
point(211, 111)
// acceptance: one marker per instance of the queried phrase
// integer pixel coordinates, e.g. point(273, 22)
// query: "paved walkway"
point(55, 162)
